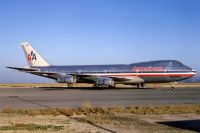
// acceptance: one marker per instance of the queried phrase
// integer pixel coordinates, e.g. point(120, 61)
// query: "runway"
point(76, 97)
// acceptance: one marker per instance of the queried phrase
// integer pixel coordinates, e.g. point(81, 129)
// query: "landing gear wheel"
point(172, 88)
point(70, 85)
point(141, 85)
point(112, 87)
point(96, 86)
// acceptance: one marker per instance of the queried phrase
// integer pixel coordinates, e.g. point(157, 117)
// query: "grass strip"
point(141, 110)
point(30, 127)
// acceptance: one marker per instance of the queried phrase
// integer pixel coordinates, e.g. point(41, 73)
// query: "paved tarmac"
point(76, 97)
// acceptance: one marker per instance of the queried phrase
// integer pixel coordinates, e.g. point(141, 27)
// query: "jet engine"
point(68, 79)
point(105, 82)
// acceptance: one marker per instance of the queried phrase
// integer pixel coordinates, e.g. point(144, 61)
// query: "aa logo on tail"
point(32, 56)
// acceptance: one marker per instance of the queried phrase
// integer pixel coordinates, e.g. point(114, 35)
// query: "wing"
point(35, 71)
point(55, 75)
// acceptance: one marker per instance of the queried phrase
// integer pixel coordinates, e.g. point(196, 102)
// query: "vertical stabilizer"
point(33, 58)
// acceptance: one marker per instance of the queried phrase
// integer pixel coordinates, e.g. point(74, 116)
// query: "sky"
point(80, 32)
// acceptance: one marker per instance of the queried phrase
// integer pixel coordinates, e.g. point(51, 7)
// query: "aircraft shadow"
point(68, 88)
point(88, 88)
point(192, 125)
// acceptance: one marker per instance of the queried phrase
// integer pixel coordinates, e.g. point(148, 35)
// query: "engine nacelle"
point(105, 81)
point(62, 78)
point(70, 79)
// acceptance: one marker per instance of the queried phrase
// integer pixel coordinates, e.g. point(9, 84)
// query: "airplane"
point(160, 71)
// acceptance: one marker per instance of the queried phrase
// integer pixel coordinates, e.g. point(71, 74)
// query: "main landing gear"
point(70, 85)
point(141, 85)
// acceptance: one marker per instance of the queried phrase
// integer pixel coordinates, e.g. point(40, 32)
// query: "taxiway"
point(76, 97)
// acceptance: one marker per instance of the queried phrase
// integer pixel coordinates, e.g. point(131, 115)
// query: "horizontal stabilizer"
point(23, 69)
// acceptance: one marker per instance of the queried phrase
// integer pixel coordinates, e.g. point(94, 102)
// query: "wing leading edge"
point(56, 75)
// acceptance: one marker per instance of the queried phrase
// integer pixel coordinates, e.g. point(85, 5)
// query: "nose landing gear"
point(172, 87)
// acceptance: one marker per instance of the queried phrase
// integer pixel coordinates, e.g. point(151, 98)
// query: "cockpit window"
point(179, 66)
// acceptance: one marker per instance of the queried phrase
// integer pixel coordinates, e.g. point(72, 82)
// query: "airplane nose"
point(194, 71)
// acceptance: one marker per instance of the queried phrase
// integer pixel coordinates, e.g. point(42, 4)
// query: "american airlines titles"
point(142, 69)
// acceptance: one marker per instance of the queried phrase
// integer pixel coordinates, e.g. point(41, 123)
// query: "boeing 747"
point(160, 71)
